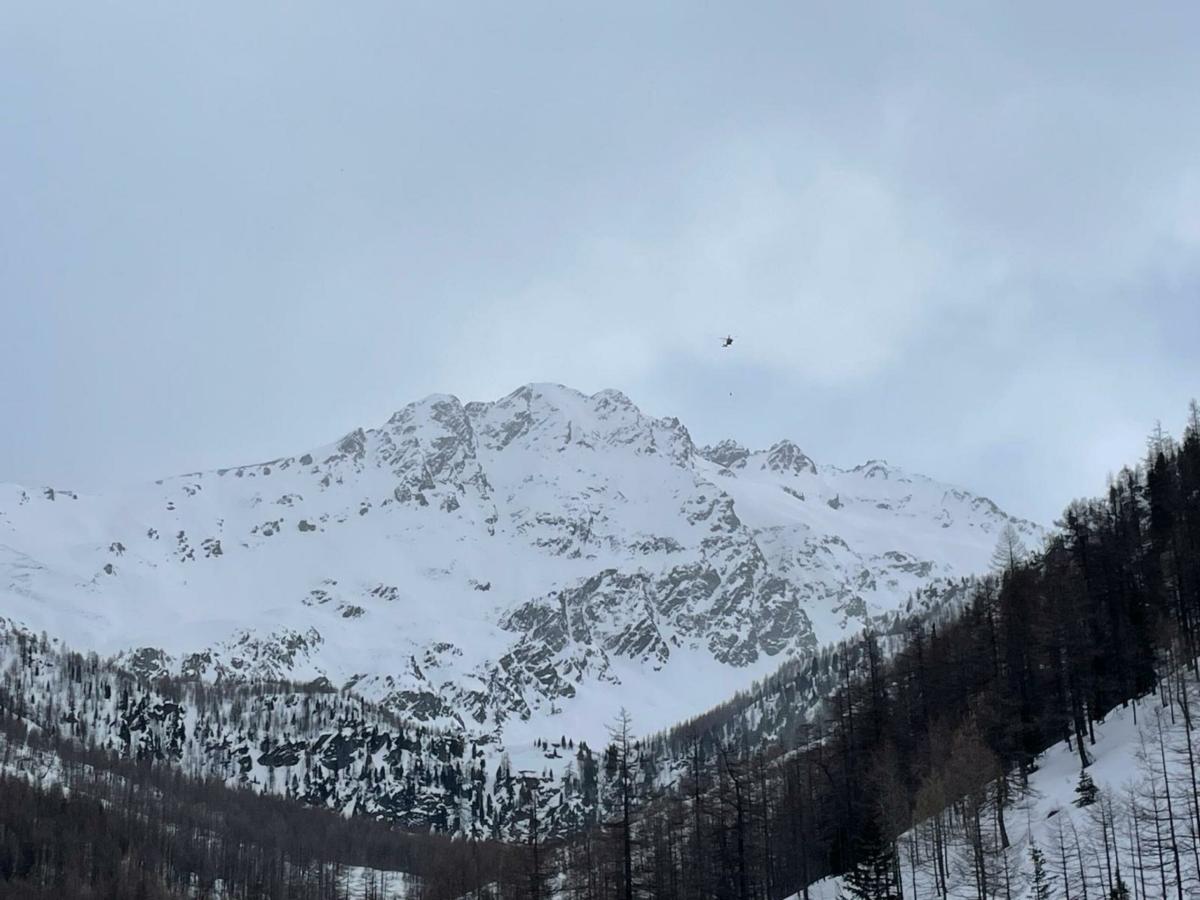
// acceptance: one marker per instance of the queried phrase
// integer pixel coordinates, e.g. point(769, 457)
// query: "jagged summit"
point(541, 413)
point(499, 567)
point(784, 456)
point(728, 454)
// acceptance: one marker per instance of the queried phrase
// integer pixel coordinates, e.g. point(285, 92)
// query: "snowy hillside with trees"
point(306, 744)
point(1127, 826)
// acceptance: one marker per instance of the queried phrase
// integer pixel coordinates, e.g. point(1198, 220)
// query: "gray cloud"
point(962, 237)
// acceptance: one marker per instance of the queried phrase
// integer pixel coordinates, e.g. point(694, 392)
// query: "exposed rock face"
point(727, 454)
point(505, 569)
point(786, 458)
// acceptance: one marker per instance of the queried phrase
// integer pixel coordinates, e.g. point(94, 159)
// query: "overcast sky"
point(961, 236)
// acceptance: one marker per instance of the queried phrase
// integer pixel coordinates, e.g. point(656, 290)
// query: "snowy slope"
point(518, 568)
point(1130, 811)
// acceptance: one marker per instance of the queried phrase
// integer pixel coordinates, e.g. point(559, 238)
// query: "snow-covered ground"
point(361, 881)
point(1130, 815)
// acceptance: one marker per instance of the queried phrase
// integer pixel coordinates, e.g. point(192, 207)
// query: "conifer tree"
point(1042, 881)
point(873, 877)
point(1010, 550)
point(622, 753)
point(1086, 791)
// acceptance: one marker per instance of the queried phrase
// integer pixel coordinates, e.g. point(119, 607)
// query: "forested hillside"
point(80, 824)
point(305, 743)
point(1124, 827)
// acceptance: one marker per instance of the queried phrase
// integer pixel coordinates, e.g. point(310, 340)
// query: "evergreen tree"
point(873, 876)
point(1086, 791)
point(1042, 882)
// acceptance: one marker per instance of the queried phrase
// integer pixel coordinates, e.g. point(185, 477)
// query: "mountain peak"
point(785, 456)
point(430, 405)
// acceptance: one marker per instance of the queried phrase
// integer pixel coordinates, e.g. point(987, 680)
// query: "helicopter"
point(726, 341)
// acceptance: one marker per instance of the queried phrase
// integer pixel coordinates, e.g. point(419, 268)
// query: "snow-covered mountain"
point(515, 569)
